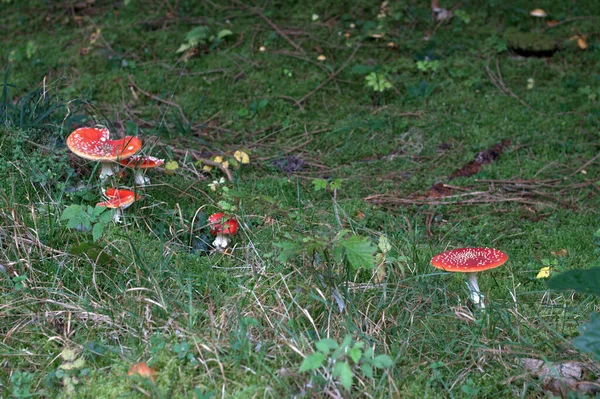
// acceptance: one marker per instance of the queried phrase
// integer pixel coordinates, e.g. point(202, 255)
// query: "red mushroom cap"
point(468, 260)
point(93, 143)
point(221, 224)
point(141, 162)
point(118, 198)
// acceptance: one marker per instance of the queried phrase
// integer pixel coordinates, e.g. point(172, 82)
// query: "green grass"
point(239, 324)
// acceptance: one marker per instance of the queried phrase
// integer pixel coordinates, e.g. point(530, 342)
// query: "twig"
point(331, 77)
point(205, 161)
point(498, 81)
point(272, 25)
point(582, 167)
point(152, 96)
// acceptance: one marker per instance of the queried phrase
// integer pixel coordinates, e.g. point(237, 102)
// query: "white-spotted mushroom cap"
point(469, 260)
point(94, 143)
point(116, 198)
point(142, 162)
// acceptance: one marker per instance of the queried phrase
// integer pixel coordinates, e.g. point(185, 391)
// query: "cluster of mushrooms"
point(94, 143)
point(470, 261)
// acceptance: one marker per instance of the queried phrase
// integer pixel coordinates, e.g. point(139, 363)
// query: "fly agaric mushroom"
point(138, 163)
point(119, 200)
point(223, 227)
point(470, 261)
point(94, 143)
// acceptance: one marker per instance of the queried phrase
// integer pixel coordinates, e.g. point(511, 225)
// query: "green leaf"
point(288, 249)
point(359, 252)
point(326, 345)
point(68, 355)
point(343, 371)
point(355, 354)
point(580, 280)
point(367, 370)
point(382, 362)
point(589, 340)
point(97, 231)
point(384, 244)
point(224, 33)
point(312, 362)
point(71, 211)
point(319, 184)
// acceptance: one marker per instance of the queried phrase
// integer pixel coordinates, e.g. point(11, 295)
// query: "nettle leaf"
point(288, 249)
point(355, 354)
point(319, 184)
point(312, 362)
point(97, 231)
point(326, 345)
point(71, 211)
point(580, 280)
point(589, 340)
point(343, 371)
point(367, 370)
point(359, 252)
point(382, 362)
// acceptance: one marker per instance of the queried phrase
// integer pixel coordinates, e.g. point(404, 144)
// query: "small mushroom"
point(223, 227)
point(119, 200)
point(94, 143)
point(138, 163)
point(470, 261)
point(538, 13)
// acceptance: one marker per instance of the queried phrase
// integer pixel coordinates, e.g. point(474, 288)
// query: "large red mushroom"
point(470, 261)
point(94, 143)
point(223, 227)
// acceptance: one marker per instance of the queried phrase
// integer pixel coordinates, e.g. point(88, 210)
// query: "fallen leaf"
point(562, 377)
point(360, 215)
point(171, 166)
point(141, 369)
point(551, 22)
point(582, 43)
point(543, 273)
point(241, 157)
point(563, 252)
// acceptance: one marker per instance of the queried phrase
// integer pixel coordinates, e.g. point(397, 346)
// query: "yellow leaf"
point(225, 164)
point(171, 166)
point(218, 159)
point(207, 168)
point(241, 157)
point(543, 273)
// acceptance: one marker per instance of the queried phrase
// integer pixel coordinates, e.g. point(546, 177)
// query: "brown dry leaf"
point(560, 254)
point(483, 158)
point(438, 190)
point(380, 271)
point(141, 369)
point(360, 215)
point(551, 22)
point(582, 43)
point(562, 377)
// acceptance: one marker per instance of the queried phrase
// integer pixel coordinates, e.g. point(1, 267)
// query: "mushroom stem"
point(107, 170)
point(476, 295)
point(117, 216)
point(140, 179)
point(221, 241)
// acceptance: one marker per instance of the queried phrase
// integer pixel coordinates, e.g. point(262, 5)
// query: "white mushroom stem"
point(476, 295)
point(221, 241)
point(140, 179)
point(107, 170)
point(117, 216)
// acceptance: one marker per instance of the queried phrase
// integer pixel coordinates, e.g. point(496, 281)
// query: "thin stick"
point(152, 96)
point(331, 77)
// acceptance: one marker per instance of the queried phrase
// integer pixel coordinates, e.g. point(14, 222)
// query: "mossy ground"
point(236, 325)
